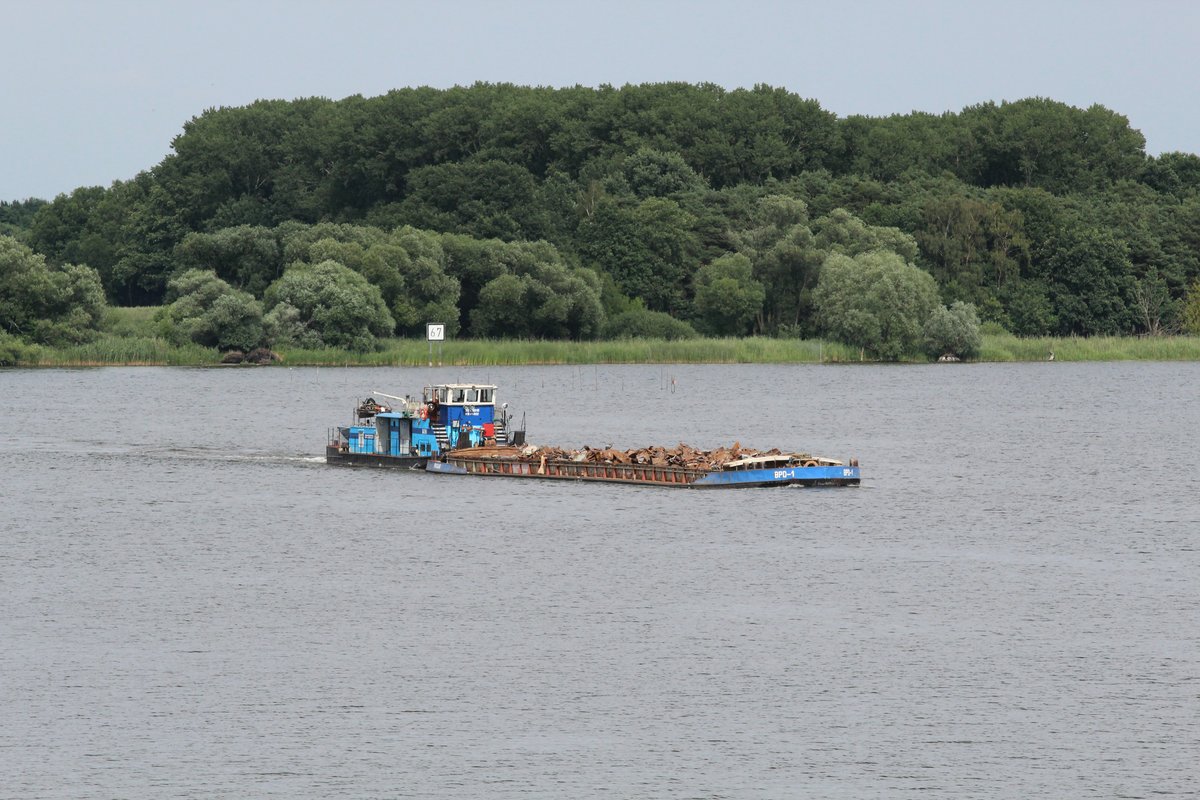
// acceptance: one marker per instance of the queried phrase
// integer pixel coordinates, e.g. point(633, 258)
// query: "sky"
point(95, 92)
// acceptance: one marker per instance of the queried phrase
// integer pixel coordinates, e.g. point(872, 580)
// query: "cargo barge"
point(457, 429)
point(748, 470)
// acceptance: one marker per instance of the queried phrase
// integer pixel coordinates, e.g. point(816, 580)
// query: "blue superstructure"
point(408, 431)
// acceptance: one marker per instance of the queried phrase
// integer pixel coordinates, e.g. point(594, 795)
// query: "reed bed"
point(478, 352)
point(113, 349)
point(1095, 348)
point(753, 350)
point(131, 321)
point(127, 351)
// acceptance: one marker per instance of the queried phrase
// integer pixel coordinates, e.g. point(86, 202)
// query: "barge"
point(457, 429)
point(748, 469)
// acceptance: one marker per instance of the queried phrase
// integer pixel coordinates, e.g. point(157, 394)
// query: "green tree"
point(1156, 311)
point(1041, 142)
point(1191, 310)
point(648, 248)
point(47, 305)
point(247, 257)
point(1028, 308)
point(1177, 174)
point(875, 301)
point(538, 296)
point(15, 351)
point(973, 247)
point(787, 251)
point(17, 216)
point(954, 331)
point(208, 311)
point(639, 323)
point(1091, 283)
point(486, 199)
point(727, 296)
point(407, 265)
point(782, 250)
point(653, 173)
point(326, 305)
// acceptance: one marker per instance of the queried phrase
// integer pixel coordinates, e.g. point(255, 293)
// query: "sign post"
point(435, 332)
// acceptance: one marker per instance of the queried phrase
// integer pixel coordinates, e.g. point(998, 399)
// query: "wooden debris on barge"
point(682, 455)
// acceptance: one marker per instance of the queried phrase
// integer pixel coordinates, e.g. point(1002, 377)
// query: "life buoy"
point(809, 463)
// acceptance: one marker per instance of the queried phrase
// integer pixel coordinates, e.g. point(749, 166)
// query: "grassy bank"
point(121, 351)
point(408, 352)
point(112, 349)
point(130, 338)
point(1006, 347)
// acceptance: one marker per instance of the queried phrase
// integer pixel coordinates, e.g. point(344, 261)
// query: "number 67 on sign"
point(435, 332)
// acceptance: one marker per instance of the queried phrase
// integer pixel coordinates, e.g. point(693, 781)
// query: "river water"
point(194, 605)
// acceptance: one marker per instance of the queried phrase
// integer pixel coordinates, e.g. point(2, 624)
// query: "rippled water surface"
point(194, 605)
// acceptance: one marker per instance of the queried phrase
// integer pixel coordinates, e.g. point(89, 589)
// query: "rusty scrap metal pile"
point(681, 455)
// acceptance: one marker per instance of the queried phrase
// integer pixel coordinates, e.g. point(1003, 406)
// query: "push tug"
point(407, 432)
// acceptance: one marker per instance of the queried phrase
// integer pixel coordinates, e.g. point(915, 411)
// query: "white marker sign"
point(435, 331)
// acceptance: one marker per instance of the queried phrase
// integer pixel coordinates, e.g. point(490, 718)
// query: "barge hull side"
point(785, 476)
point(345, 458)
point(649, 475)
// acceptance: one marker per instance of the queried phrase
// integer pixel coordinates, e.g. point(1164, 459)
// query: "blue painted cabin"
point(412, 430)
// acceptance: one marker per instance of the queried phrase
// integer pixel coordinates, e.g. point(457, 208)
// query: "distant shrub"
point(953, 331)
point(208, 311)
point(54, 305)
point(639, 323)
point(14, 351)
point(326, 305)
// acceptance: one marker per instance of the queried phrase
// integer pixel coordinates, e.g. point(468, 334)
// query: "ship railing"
point(334, 437)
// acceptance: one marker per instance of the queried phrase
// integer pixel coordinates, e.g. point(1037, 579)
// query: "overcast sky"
point(93, 92)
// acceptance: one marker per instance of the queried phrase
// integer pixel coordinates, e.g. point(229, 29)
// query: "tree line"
point(657, 209)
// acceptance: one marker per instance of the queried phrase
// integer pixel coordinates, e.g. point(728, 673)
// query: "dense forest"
point(654, 210)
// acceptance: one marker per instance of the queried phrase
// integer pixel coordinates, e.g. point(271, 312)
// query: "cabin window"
point(472, 395)
point(485, 395)
point(458, 395)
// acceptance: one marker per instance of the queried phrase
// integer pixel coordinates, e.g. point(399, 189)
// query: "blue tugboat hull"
point(334, 455)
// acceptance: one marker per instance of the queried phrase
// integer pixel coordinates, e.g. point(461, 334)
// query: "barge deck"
point(771, 470)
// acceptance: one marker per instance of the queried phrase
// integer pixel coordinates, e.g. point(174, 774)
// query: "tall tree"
point(326, 305)
point(875, 301)
point(44, 304)
point(727, 296)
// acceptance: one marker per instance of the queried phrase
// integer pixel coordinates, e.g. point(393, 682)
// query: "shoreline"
point(130, 352)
